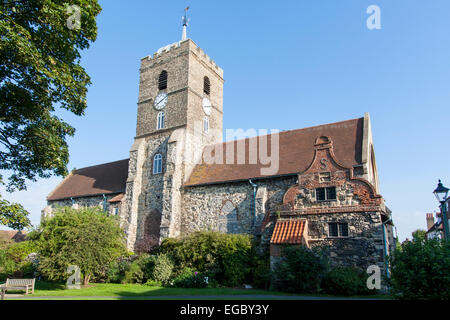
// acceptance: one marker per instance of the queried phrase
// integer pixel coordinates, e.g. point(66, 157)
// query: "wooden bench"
point(17, 284)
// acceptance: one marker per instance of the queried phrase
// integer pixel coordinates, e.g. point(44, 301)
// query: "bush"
point(147, 244)
point(162, 268)
point(420, 270)
point(300, 270)
point(116, 271)
point(346, 281)
point(13, 260)
point(7, 265)
point(226, 258)
point(189, 278)
point(87, 237)
point(153, 283)
point(140, 270)
point(261, 272)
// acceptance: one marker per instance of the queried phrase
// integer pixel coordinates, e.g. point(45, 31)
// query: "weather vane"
point(185, 21)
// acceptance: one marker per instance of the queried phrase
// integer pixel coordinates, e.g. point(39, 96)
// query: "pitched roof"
point(117, 198)
point(296, 152)
point(13, 235)
point(106, 178)
point(288, 231)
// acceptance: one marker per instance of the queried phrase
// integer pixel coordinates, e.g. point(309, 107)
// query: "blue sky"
point(287, 65)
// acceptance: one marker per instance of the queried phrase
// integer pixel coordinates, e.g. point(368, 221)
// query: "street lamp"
point(441, 195)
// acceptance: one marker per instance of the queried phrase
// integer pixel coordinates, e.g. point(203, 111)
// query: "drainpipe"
point(254, 200)
point(383, 225)
point(104, 202)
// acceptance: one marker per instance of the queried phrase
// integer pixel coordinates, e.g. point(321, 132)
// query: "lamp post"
point(441, 194)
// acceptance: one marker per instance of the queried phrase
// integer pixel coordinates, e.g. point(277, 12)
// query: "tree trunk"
point(86, 279)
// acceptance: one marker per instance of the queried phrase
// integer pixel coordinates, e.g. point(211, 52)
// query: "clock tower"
point(180, 110)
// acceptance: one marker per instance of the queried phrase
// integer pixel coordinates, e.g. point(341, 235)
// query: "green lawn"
point(113, 289)
point(47, 290)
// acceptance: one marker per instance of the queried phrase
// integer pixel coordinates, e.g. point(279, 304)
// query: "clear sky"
point(287, 65)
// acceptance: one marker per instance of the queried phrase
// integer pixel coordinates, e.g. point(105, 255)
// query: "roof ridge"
point(284, 131)
point(101, 164)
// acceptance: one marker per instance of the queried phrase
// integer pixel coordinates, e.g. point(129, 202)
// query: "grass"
point(48, 289)
point(107, 291)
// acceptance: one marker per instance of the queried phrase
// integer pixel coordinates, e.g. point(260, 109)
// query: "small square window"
point(328, 193)
point(320, 194)
point(336, 229)
point(343, 229)
point(333, 230)
point(331, 193)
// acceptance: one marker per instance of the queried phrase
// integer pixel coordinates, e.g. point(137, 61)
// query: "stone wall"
point(230, 206)
point(90, 201)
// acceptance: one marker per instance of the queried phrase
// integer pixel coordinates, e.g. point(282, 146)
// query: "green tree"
point(39, 70)
point(88, 238)
point(13, 215)
point(420, 270)
point(419, 235)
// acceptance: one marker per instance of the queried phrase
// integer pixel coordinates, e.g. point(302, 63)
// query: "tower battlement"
point(176, 48)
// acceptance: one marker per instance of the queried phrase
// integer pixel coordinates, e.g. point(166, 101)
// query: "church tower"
point(180, 110)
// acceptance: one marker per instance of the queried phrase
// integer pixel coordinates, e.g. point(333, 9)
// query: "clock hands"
point(160, 102)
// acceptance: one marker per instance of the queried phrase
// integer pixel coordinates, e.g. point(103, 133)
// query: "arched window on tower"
point(205, 124)
point(162, 81)
point(206, 86)
point(160, 121)
point(157, 163)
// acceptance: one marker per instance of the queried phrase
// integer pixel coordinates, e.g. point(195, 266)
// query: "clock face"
point(206, 106)
point(160, 101)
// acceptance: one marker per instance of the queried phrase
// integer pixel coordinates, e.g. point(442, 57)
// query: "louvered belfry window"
point(206, 86)
point(162, 81)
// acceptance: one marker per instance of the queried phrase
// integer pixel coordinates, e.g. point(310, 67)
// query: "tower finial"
point(185, 21)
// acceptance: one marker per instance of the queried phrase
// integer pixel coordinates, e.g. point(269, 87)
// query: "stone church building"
point(311, 186)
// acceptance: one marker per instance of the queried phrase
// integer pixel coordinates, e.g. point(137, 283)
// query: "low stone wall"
point(92, 201)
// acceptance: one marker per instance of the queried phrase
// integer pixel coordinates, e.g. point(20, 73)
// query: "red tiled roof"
point(104, 178)
point(117, 198)
point(288, 231)
point(296, 151)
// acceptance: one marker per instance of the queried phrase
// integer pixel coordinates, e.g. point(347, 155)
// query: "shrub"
point(153, 283)
point(162, 268)
point(134, 274)
point(141, 269)
point(261, 272)
point(147, 244)
point(7, 265)
point(189, 278)
point(345, 281)
point(87, 237)
point(420, 270)
point(224, 257)
point(20, 250)
point(14, 262)
point(300, 270)
point(116, 270)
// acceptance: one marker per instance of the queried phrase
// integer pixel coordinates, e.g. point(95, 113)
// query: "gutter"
point(383, 225)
